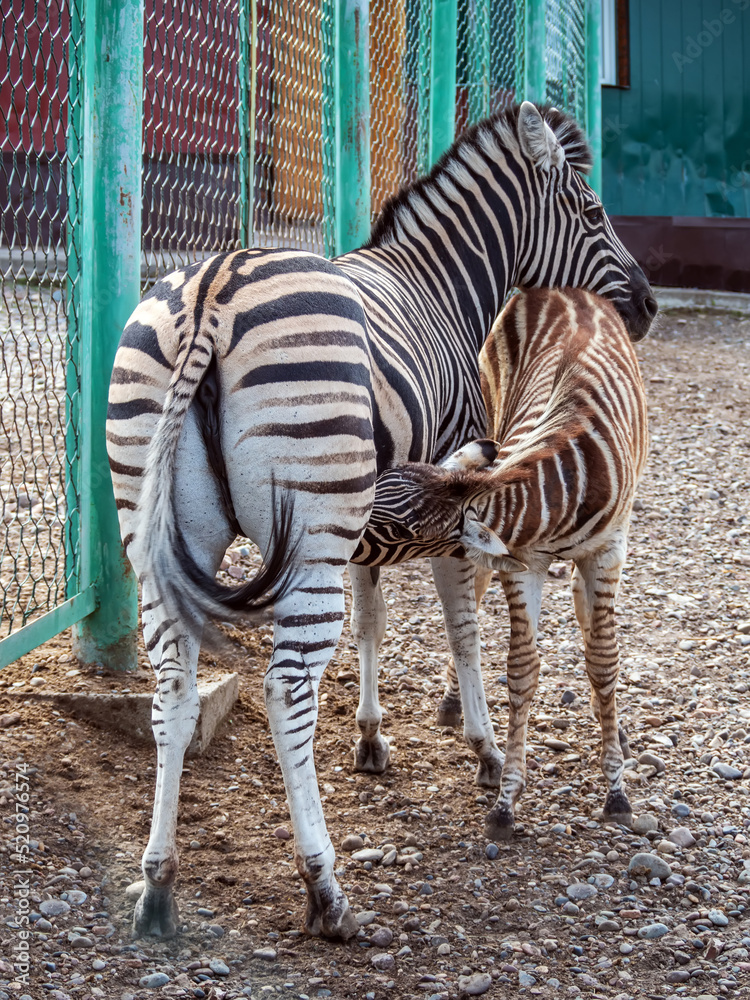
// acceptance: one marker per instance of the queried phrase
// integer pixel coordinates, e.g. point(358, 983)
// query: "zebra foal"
point(566, 406)
point(229, 365)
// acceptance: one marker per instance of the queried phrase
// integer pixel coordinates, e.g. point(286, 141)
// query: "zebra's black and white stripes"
point(566, 403)
point(263, 390)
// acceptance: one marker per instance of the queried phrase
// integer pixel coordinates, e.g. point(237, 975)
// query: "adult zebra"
point(227, 366)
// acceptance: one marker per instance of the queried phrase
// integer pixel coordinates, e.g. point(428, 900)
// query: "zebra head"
point(569, 239)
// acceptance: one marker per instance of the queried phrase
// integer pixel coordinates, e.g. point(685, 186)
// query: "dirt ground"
point(454, 910)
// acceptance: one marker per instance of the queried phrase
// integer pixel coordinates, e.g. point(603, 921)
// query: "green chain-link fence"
point(262, 122)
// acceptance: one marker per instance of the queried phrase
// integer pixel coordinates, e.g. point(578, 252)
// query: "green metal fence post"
point(247, 75)
point(443, 46)
point(352, 88)
point(535, 62)
point(519, 31)
point(479, 60)
point(111, 272)
point(594, 90)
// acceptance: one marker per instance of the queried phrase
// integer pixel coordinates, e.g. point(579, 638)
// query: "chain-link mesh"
point(566, 51)
point(39, 280)
point(395, 81)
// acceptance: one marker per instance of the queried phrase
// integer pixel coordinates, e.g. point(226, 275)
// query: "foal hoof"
point(371, 756)
point(500, 823)
point(617, 809)
point(449, 713)
point(156, 913)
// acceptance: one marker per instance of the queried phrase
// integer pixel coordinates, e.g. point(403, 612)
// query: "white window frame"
point(608, 40)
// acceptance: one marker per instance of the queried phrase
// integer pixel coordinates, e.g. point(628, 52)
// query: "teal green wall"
point(678, 141)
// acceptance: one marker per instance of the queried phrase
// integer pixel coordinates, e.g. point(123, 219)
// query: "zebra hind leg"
point(308, 622)
point(595, 581)
point(524, 593)
point(174, 653)
point(369, 621)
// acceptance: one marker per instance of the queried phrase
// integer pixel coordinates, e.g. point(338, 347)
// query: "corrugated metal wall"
point(678, 141)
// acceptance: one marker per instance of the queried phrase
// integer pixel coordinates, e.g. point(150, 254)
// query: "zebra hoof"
point(156, 913)
point(617, 809)
point(500, 823)
point(489, 771)
point(333, 919)
point(371, 756)
point(449, 713)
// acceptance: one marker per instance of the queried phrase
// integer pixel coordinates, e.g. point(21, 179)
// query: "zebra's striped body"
point(566, 404)
point(261, 391)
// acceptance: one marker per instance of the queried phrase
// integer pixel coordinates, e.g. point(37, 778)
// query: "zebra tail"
point(186, 589)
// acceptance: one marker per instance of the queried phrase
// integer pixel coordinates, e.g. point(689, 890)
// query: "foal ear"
point(537, 139)
point(474, 455)
point(485, 548)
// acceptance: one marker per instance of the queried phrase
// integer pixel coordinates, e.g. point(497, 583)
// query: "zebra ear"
point(485, 548)
point(475, 455)
point(537, 139)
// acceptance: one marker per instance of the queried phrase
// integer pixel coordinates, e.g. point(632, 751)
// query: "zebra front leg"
point(308, 624)
point(454, 579)
point(524, 594)
point(595, 582)
point(449, 712)
point(174, 653)
point(369, 621)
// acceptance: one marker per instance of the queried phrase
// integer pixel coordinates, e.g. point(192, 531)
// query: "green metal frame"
point(352, 125)
point(594, 90)
point(479, 61)
point(443, 56)
point(535, 63)
point(247, 78)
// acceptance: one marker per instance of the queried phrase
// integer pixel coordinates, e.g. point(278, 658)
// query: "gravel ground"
point(567, 907)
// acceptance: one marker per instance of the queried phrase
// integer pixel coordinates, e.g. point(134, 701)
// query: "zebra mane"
point(500, 131)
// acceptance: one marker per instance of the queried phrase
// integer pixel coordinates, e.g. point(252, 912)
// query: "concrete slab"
point(131, 713)
point(702, 298)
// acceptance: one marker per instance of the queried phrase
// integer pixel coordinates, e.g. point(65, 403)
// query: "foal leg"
point(524, 594)
point(449, 712)
point(454, 579)
point(595, 582)
point(308, 622)
point(369, 621)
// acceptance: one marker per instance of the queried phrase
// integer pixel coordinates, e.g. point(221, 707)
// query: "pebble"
point(382, 937)
point(718, 918)
point(366, 917)
point(491, 851)
point(98, 965)
point(645, 823)
point(686, 645)
point(352, 843)
point(368, 854)
point(526, 979)
point(649, 864)
point(154, 981)
point(726, 771)
point(667, 847)
point(75, 897)
point(626, 948)
point(217, 966)
point(553, 744)
point(568, 697)
point(682, 837)
point(135, 890)
point(383, 961)
point(651, 931)
point(54, 907)
point(475, 985)
point(681, 809)
point(602, 880)
point(281, 833)
point(267, 954)
point(677, 976)
point(652, 760)
point(580, 891)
